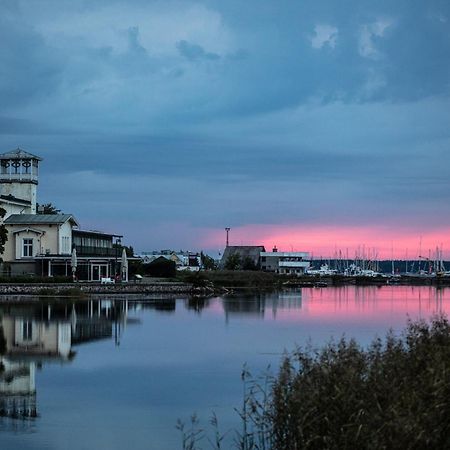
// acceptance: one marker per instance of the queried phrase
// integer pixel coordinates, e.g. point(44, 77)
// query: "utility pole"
point(227, 229)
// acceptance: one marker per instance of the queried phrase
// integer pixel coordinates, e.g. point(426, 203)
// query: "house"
point(244, 254)
point(184, 260)
point(294, 263)
point(32, 237)
point(42, 244)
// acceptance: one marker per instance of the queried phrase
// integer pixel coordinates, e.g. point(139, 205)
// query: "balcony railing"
point(85, 250)
point(293, 264)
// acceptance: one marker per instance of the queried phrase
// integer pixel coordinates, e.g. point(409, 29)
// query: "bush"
point(161, 267)
point(393, 395)
point(27, 279)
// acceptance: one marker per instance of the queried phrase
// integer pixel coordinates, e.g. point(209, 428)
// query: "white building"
point(31, 236)
point(19, 172)
point(42, 244)
point(289, 263)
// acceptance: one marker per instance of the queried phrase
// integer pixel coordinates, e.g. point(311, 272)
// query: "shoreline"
point(218, 288)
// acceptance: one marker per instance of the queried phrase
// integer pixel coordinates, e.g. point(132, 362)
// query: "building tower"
point(18, 182)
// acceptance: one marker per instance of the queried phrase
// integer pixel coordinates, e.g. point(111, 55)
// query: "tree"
point(233, 262)
point(47, 208)
point(161, 267)
point(3, 232)
point(208, 263)
point(249, 264)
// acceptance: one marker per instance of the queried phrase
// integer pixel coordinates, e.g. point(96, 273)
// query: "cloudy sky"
point(311, 125)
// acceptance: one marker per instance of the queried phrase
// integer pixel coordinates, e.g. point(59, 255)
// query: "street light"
point(118, 243)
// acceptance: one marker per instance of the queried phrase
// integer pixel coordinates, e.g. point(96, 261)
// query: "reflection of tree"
point(2, 341)
point(197, 303)
point(250, 305)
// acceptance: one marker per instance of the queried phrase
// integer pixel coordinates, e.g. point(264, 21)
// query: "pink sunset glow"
point(326, 241)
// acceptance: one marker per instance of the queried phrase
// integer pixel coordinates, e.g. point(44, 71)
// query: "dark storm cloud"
point(208, 111)
point(29, 69)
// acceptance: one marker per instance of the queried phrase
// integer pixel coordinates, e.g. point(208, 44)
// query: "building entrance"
point(99, 271)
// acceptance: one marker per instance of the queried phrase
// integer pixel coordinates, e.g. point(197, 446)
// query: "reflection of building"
point(42, 244)
point(17, 389)
point(27, 336)
point(258, 305)
point(44, 333)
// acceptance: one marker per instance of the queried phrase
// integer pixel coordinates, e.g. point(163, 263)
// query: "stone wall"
point(95, 288)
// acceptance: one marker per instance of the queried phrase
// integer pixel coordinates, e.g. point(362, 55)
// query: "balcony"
point(84, 250)
point(293, 264)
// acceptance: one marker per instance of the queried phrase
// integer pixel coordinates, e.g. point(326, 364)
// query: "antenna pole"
point(227, 229)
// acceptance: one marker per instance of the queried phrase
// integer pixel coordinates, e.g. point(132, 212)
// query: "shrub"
point(393, 395)
point(161, 267)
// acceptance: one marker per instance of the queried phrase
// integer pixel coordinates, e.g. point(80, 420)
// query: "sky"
point(312, 125)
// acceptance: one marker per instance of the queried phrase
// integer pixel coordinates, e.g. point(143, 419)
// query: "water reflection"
point(98, 372)
point(260, 304)
point(32, 335)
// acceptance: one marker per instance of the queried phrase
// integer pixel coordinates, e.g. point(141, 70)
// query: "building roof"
point(18, 153)
point(12, 199)
point(244, 251)
point(26, 219)
point(96, 233)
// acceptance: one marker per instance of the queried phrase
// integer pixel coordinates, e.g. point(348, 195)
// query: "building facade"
point(42, 244)
point(288, 263)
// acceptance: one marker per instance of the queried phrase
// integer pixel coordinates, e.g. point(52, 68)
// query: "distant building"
point(247, 254)
point(289, 263)
point(184, 260)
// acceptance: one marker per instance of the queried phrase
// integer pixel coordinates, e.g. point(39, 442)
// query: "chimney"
point(274, 250)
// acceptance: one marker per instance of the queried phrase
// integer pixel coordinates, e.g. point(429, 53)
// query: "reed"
point(395, 393)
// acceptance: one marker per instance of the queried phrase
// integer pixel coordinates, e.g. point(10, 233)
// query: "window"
point(27, 247)
point(65, 244)
point(27, 331)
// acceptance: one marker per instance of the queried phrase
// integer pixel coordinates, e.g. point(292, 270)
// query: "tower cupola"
point(19, 172)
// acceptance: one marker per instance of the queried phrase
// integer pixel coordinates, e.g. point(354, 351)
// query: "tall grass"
point(394, 394)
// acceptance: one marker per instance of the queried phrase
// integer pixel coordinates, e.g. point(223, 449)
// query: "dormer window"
point(27, 249)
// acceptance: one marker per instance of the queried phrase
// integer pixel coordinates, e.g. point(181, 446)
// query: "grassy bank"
point(233, 279)
point(393, 394)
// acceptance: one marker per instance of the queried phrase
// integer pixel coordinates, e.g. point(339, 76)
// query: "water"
point(119, 373)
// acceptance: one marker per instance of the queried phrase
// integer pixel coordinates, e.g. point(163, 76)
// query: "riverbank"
point(210, 283)
point(81, 289)
point(236, 279)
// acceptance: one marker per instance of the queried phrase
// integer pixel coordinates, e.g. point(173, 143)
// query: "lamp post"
point(118, 243)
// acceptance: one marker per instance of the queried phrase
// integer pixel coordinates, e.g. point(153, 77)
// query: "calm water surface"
point(119, 373)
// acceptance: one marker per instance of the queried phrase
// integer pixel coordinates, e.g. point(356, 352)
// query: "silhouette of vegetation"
point(3, 233)
point(393, 394)
point(248, 264)
point(47, 208)
point(208, 263)
point(233, 262)
point(161, 267)
point(236, 262)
